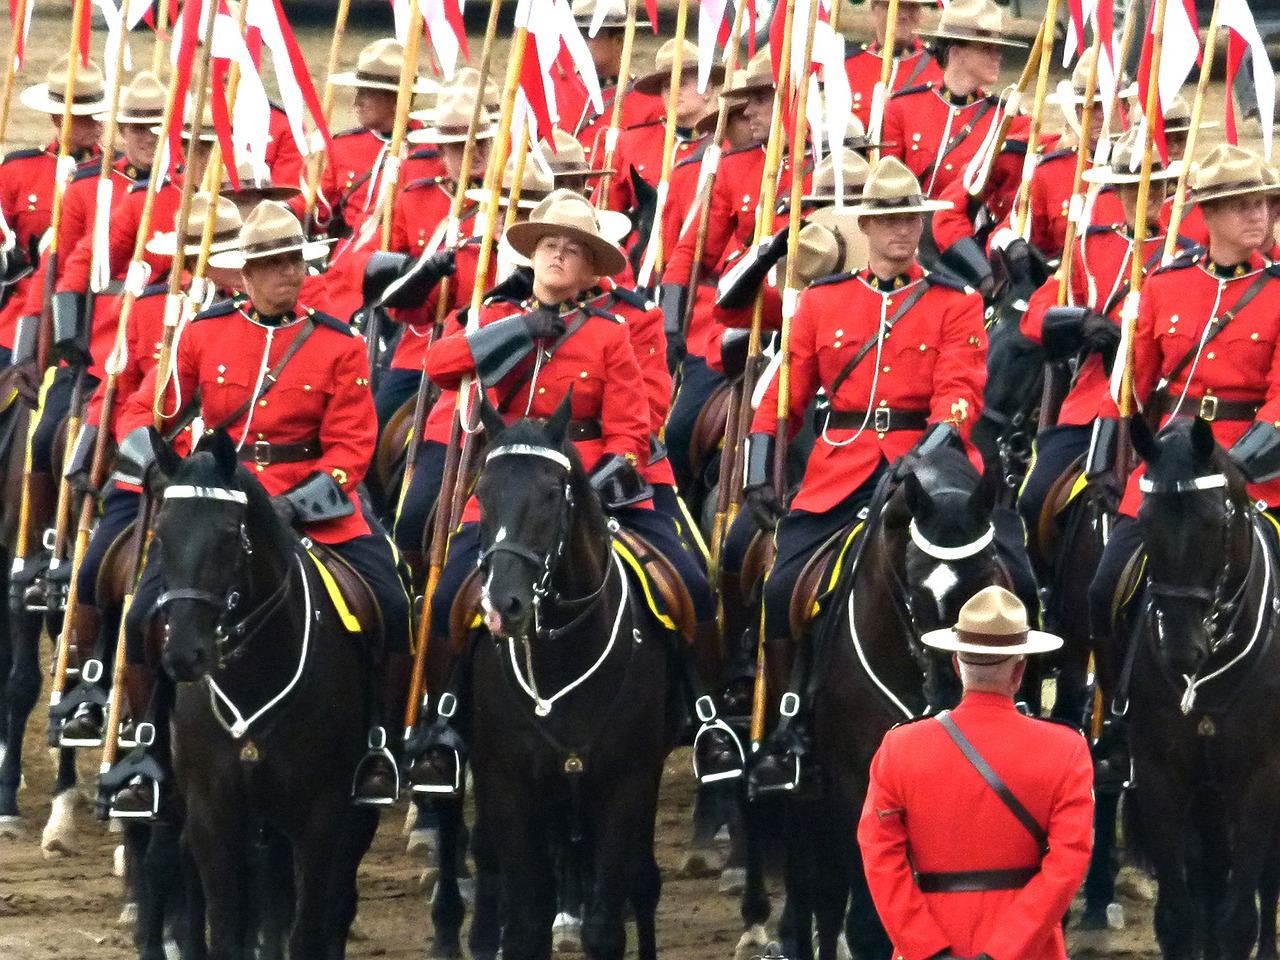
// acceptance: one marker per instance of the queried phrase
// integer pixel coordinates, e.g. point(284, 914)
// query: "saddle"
point(818, 578)
point(352, 598)
point(1065, 489)
point(709, 428)
point(464, 615)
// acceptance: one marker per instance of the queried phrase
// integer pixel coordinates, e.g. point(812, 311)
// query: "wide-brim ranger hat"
point(854, 172)
point(378, 68)
point(1177, 118)
point(975, 21)
point(571, 217)
point(736, 82)
point(467, 78)
point(535, 184)
point(270, 229)
point(567, 159)
point(142, 102)
point(1126, 168)
point(656, 79)
point(1228, 171)
point(614, 226)
point(614, 16)
point(226, 229)
point(823, 250)
point(207, 132)
point(993, 622)
point(759, 78)
point(255, 184)
point(451, 119)
point(852, 240)
point(891, 188)
point(1070, 93)
point(88, 99)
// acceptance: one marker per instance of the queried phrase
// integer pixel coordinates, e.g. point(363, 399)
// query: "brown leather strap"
point(1207, 408)
point(972, 881)
point(907, 303)
point(270, 379)
point(881, 419)
point(264, 454)
point(585, 430)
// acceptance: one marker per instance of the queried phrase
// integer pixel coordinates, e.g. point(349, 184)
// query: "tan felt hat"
point(467, 78)
point(378, 68)
point(994, 622)
point(1229, 171)
point(891, 188)
point(1177, 119)
point(759, 76)
point(1123, 169)
point(584, 12)
point(255, 184)
point(576, 219)
point(854, 170)
point(451, 119)
point(89, 98)
point(568, 159)
point(975, 21)
point(1070, 93)
point(614, 226)
point(207, 133)
point(270, 229)
point(657, 79)
point(736, 82)
point(226, 229)
point(143, 101)
point(845, 227)
point(535, 184)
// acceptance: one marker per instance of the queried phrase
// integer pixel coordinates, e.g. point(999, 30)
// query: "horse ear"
point(224, 453)
point(982, 501)
point(490, 417)
point(1143, 440)
point(1202, 441)
point(918, 499)
point(558, 423)
point(166, 458)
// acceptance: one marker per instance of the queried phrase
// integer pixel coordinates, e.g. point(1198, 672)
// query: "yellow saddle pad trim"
point(838, 566)
point(630, 560)
point(1272, 520)
point(1077, 488)
point(348, 619)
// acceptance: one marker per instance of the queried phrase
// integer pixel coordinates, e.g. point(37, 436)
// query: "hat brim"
point(1104, 175)
point(1066, 96)
point(431, 135)
point(1210, 195)
point(1037, 641)
point(526, 201)
point(37, 98)
point(137, 119)
point(708, 123)
point(960, 36)
point(278, 194)
point(581, 171)
point(607, 258)
point(846, 225)
point(207, 134)
point(875, 210)
point(614, 225)
point(312, 250)
point(610, 23)
point(162, 245)
point(1184, 126)
point(349, 79)
point(652, 83)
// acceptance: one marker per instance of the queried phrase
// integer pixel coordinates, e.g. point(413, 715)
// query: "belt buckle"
point(1209, 408)
point(261, 453)
point(880, 419)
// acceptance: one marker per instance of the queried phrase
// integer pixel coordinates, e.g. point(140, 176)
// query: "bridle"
point(544, 564)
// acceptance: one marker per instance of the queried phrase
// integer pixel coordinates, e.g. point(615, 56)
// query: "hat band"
point(893, 203)
point(57, 97)
point(453, 129)
point(990, 639)
point(1250, 184)
point(368, 76)
point(291, 242)
point(969, 34)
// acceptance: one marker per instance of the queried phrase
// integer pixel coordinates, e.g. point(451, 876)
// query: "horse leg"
point(486, 918)
point(447, 908)
point(22, 689)
point(755, 906)
point(795, 926)
point(1251, 829)
point(356, 839)
point(313, 851)
point(1160, 804)
point(1268, 903)
point(566, 930)
point(645, 894)
point(528, 885)
point(218, 841)
point(622, 851)
point(189, 909)
point(160, 870)
point(59, 837)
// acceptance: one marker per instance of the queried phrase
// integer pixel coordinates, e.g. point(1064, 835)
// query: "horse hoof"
point(753, 943)
point(699, 863)
point(117, 861)
point(842, 949)
point(128, 916)
point(446, 951)
point(566, 934)
point(58, 838)
point(13, 828)
point(421, 841)
point(732, 881)
point(428, 877)
point(1135, 884)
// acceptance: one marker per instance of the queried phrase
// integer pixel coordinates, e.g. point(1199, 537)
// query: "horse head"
point(209, 507)
point(1195, 521)
point(531, 491)
point(949, 554)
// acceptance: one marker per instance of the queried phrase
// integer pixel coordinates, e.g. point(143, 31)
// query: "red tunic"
point(1240, 363)
point(322, 394)
point(579, 118)
point(936, 133)
point(283, 156)
point(126, 221)
point(864, 66)
point(143, 335)
point(934, 360)
point(928, 809)
point(734, 199)
point(682, 194)
point(640, 149)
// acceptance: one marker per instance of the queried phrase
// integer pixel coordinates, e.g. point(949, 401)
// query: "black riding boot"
point(780, 766)
point(436, 754)
point(42, 497)
point(717, 752)
point(377, 778)
point(80, 713)
point(134, 783)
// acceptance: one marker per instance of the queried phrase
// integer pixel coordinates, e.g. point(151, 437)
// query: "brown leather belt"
point(264, 454)
point(972, 881)
point(1208, 408)
point(585, 430)
point(881, 419)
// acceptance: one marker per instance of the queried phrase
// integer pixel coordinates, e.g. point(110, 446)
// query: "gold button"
point(260, 468)
point(884, 403)
point(836, 344)
point(542, 390)
point(222, 379)
point(839, 333)
point(885, 369)
point(222, 368)
point(915, 146)
point(948, 166)
point(262, 436)
point(1212, 355)
point(262, 403)
point(583, 375)
point(880, 435)
point(1253, 336)
point(925, 346)
point(33, 198)
point(915, 136)
point(1173, 330)
point(306, 386)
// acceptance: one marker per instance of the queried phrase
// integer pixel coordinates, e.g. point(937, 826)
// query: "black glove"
point(26, 379)
point(765, 506)
point(413, 288)
point(966, 259)
point(285, 510)
point(733, 352)
point(672, 299)
point(1017, 261)
point(1101, 334)
point(516, 288)
point(543, 323)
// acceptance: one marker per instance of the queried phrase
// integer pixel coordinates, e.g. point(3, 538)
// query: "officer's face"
point(691, 106)
point(85, 131)
point(894, 236)
point(979, 62)
point(606, 50)
point(908, 22)
point(737, 130)
point(1177, 142)
point(1236, 223)
point(139, 144)
point(375, 109)
point(451, 155)
point(274, 283)
point(758, 113)
point(562, 267)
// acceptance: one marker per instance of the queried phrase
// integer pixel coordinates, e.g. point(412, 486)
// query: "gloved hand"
point(543, 323)
point(672, 299)
point(1109, 489)
point(284, 509)
point(765, 506)
point(1017, 260)
point(1101, 334)
point(517, 288)
point(26, 379)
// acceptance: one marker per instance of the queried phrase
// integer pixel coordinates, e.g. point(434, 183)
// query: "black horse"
point(269, 714)
point(574, 700)
point(1204, 698)
point(930, 551)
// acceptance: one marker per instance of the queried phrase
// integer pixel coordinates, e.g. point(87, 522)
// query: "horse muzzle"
point(186, 665)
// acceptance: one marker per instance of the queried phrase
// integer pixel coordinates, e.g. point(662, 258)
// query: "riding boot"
point(717, 751)
point(82, 708)
point(42, 499)
point(436, 753)
point(780, 763)
point(377, 778)
point(134, 783)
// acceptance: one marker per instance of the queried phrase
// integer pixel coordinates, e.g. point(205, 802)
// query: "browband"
point(188, 492)
point(1213, 481)
point(961, 552)
point(528, 450)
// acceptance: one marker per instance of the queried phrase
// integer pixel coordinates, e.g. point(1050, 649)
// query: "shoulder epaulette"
point(221, 308)
point(647, 123)
point(424, 153)
point(1093, 229)
point(695, 155)
point(152, 289)
point(1058, 154)
point(631, 298)
point(24, 154)
point(861, 48)
point(911, 720)
point(332, 322)
point(90, 168)
point(1188, 258)
point(422, 183)
point(602, 314)
point(941, 278)
point(1016, 147)
point(747, 149)
point(350, 131)
point(918, 88)
point(833, 278)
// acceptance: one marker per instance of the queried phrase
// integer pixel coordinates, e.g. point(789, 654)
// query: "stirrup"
point(439, 736)
point(377, 748)
point(790, 785)
point(138, 763)
point(706, 712)
point(84, 694)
